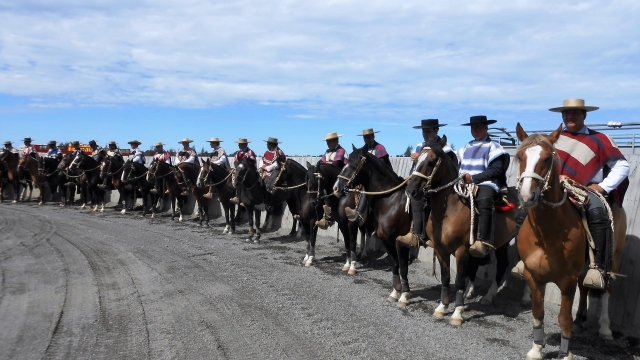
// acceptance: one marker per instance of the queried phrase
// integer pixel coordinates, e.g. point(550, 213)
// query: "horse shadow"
point(593, 347)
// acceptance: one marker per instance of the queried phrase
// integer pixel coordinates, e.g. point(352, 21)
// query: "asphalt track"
point(77, 284)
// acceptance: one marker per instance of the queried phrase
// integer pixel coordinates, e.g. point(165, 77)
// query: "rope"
point(466, 191)
point(446, 185)
point(289, 187)
point(381, 192)
point(223, 180)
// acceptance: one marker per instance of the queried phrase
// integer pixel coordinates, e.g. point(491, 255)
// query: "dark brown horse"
point(66, 179)
point(218, 181)
point(552, 240)
point(134, 182)
point(9, 173)
point(187, 176)
point(449, 226)
point(388, 218)
point(112, 167)
point(250, 194)
point(90, 168)
point(159, 170)
point(34, 169)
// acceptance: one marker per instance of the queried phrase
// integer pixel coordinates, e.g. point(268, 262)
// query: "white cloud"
point(344, 57)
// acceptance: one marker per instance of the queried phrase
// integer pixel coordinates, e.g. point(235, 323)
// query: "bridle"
point(363, 159)
point(545, 183)
point(285, 188)
point(244, 178)
point(202, 179)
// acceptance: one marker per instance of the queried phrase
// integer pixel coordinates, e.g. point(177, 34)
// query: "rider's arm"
point(494, 171)
point(221, 160)
point(619, 172)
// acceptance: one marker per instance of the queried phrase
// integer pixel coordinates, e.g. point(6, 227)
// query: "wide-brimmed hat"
point(7, 143)
point(331, 136)
point(368, 132)
point(75, 143)
point(215, 139)
point(159, 144)
point(185, 140)
point(272, 140)
point(26, 139)
point(242, 141)
point(92, 142)
point(429, 123)
point(134, 142)
point(112, 143)
point(52, 142)
point(479, 119)
point(574, 104)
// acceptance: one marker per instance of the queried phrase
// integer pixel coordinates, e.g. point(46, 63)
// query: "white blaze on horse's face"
point(533, 157)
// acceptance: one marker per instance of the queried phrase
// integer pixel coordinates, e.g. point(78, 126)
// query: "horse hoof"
point(40, 203)
point(404, 300)
point(256, 241)
point(486, 301)
point(352, 271)
point(608, 336)
point(394, 296)
point(455, 322)
point(101, 210)
point(14, 202)
point(309, 262)
point(346, 266)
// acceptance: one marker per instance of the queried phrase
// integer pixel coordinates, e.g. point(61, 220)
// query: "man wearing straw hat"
point(271, 157)
point(113, 151)
point(53, 152)
point(161, 155)
point(187, 154)
point(379, 151)
point(420, 208)
point(337, 156)
point(29, 150)
point(243, 153)
point(592, 159)
point(218, 155)
point(136, 155)
point(8, 147)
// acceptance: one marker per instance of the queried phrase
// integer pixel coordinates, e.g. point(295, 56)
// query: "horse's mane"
point(438, 149)
point(533, 140)
point(378, 164)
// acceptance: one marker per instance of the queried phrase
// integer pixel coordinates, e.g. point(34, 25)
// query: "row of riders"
point(455, 202)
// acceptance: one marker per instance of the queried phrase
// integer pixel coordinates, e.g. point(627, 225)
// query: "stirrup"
point(184, 193)
point(352, 214)
point(167, 191)
point(480, 249)
point(430, 244)
point(153, 191)
point(208, 195)
point(234, 200)
point(101, 186)
point(324, 224)
point(410, 239)
point(594, 279)
point(518, 270)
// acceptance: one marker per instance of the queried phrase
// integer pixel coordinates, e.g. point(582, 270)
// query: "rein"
point(231, 172)
point(285, 188)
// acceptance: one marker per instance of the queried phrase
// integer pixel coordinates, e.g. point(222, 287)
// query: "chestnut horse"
point(449, 226)
point(250, 194)
point(219, 181)
point(387, 200)
point(35, 170)
point(552, 240)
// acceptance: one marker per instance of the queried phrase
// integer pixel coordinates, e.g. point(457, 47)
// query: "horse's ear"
point(308, 165)
point(554, 136)
point(443, 141)
point(521, 133)
point(354, 147)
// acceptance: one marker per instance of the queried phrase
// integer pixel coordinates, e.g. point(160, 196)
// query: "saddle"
point(500, 199)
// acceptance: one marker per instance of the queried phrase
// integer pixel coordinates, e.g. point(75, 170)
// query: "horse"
point(9, 169)
point(187, 175)
point(54, 178)
point(250, 195)
point(388, 218)
point(161, 170)
point(34, 169)
point(276, 198)
point(134, 179)
point(556, 252)
point(326, 176)
point(90, 168)
point(62, 174)
point(449, 227)
point(219, 180)
point(112, 167)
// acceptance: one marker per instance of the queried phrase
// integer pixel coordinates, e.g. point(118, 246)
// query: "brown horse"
point(250, 194)
point(34, 168)
point(161, 170)
point(89, 169)
point(112, 167)
point(10, 173)
point(552, 241)
point(62, 174)
point(219, 181)
point(449, 226)
point(187, 176)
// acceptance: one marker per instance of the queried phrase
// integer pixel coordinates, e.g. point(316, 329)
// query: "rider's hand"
point(597, 188)
point(414, 156)
point(467, 179)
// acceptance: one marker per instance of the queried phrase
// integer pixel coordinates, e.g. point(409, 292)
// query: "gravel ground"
point(77, 284)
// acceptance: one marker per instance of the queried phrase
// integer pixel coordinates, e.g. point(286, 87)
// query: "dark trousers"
point(486, 213)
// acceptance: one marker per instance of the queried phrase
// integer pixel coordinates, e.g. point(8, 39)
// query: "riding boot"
point(600, 229)
point(518, 270)
point(417, 235)
point(484, 240)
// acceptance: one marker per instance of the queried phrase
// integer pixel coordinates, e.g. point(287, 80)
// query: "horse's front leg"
point(395, 271)
point(257, 214)
point(565, 317)
point(251, 229)
point(403, 265)
point(462, 274)
point(537, 311)
point(311, 244)
point(445, 276)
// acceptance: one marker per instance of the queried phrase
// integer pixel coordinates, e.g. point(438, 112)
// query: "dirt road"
point(77, 284)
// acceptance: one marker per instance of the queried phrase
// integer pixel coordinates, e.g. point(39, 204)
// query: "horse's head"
point(204, 173)
point(65, 161)
point(78, 161)
point(242, 170)
point(536, 159)
point(105, 166)
point(153, 169)
point(426, 174)
point(354, 173)
point(127, 171)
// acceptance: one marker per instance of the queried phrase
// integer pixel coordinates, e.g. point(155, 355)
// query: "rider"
point(377, 149)
point(29, 150)
point(161, 155)
point(8, 147)
point(218, 157)
point(592, 159)
point(53, 152)
point(270, 158)
point(113, 151)
point(243, 153)
point(136, 155)
point(420, 207)
point(76, 148)
point(95, 150)
point(186, 155)
point(482, 162)
point(337, 156)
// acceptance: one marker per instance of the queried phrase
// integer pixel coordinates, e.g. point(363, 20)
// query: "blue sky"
point(162, 70)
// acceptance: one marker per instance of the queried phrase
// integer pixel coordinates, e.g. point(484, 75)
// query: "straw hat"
point(429, 123)
point(159, 144)
point(368, 132)
point(331, 136)
point(242, 141)
point(215, 139)
point(574, 104)
point(134, 142)
point(273, 140)
point(479, 119)
point(185, 140)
